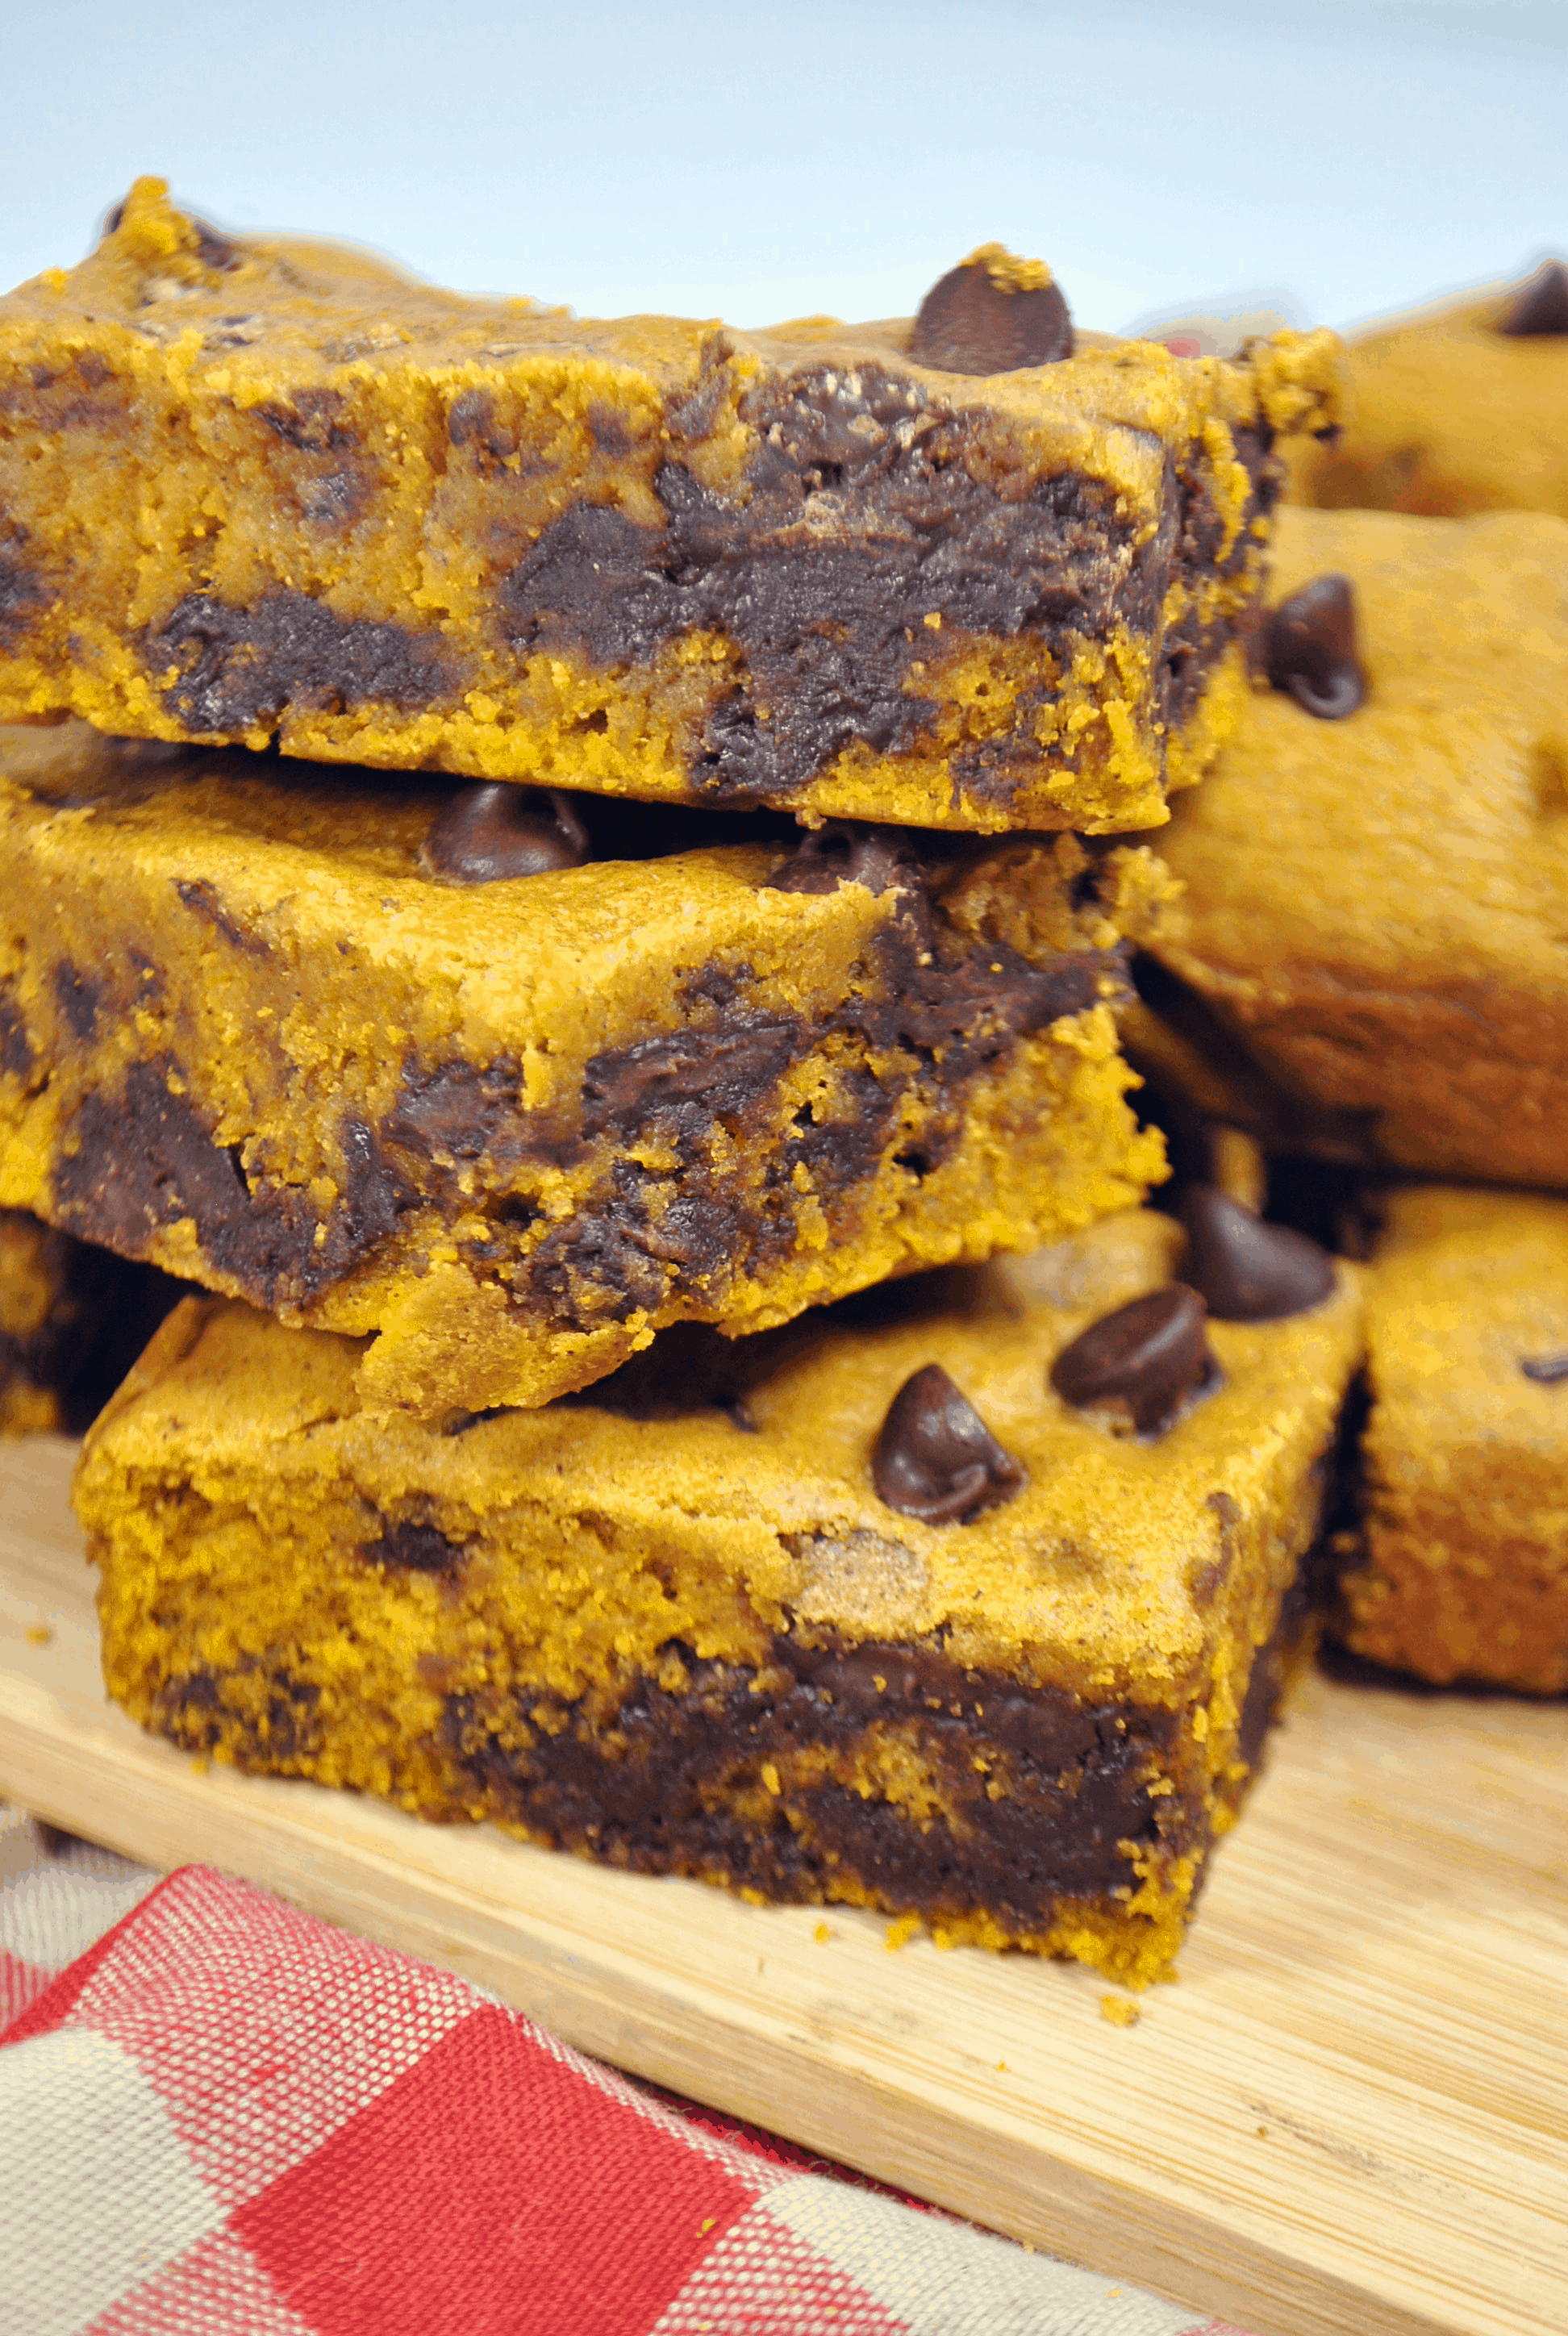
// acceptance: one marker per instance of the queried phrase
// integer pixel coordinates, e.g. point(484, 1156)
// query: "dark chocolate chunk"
point(1546, 1370)
point(413, 1547)
point(994, 314)
point(936, 1459)
point(457, 1107)
point(491, 831)
point(1542, 306)
point(830, 619)
point(213, 250)
point(245, 668)
point(683, 1081)
point(1147, 1358)
point(147, 1157)
point(313, 422)
point(1309, 648)
point(15, 1046)
point(1247, 1270)
point(79, 997)
point(21, 593)
point(200, 896)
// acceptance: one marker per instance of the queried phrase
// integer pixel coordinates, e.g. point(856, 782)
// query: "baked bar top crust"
point(513, 1127)
point(256, 491)
point(1373, 911)
point(1451, 411)
point(1463, 1572)
point(672, 1622)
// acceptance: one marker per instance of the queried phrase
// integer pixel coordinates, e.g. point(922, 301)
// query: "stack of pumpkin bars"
point(575, 879)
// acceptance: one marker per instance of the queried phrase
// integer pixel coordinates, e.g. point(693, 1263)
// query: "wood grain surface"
point(1349, 2118)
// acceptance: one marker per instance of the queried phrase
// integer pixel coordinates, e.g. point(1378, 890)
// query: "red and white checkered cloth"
point(220, 2117)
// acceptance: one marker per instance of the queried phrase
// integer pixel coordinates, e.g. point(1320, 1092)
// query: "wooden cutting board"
point(1349, 2118)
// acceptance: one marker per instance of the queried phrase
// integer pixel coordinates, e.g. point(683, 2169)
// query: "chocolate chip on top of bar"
point(1541, 309)
point(1309, 648)
point(1144, 1361)
point(993, 313)
point(489, 833)
point(1244, 1269)
point(936, 1458)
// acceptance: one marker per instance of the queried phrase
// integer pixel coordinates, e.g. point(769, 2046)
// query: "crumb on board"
point(823, 1933)
point(900, 1932)
point(39, 1634)
point(1120, 2010)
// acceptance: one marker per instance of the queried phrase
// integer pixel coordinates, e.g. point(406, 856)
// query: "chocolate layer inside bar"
point(1192, 644)
point(653, 1785)
point(238, 669)
point(674, 1081)
point(810, 567)
point(145, 1155)
point(646, 1789)
point(825, 571)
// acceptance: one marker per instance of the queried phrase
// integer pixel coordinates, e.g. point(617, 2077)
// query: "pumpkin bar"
point(325, 1044)
point(1454, 410)
point(911, 1613)
point(1460, 1568)
point(1382, 981)
point(72, 1320)
point(256, 492)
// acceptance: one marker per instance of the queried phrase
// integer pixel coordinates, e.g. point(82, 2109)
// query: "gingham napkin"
point(220, 2117)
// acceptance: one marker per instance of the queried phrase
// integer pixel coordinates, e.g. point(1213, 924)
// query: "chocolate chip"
point(1542, 306)
point(847, 852)
point(212, 250)
point(490, 832)
point(1145, 1360)
point(413, 1548)
point(1247, 1270)
point(1547, 1370)
point(992, 315)
point(936, 1459)
point(1309, 648)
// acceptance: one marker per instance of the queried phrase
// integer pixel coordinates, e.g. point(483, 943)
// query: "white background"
point(1330, 159)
